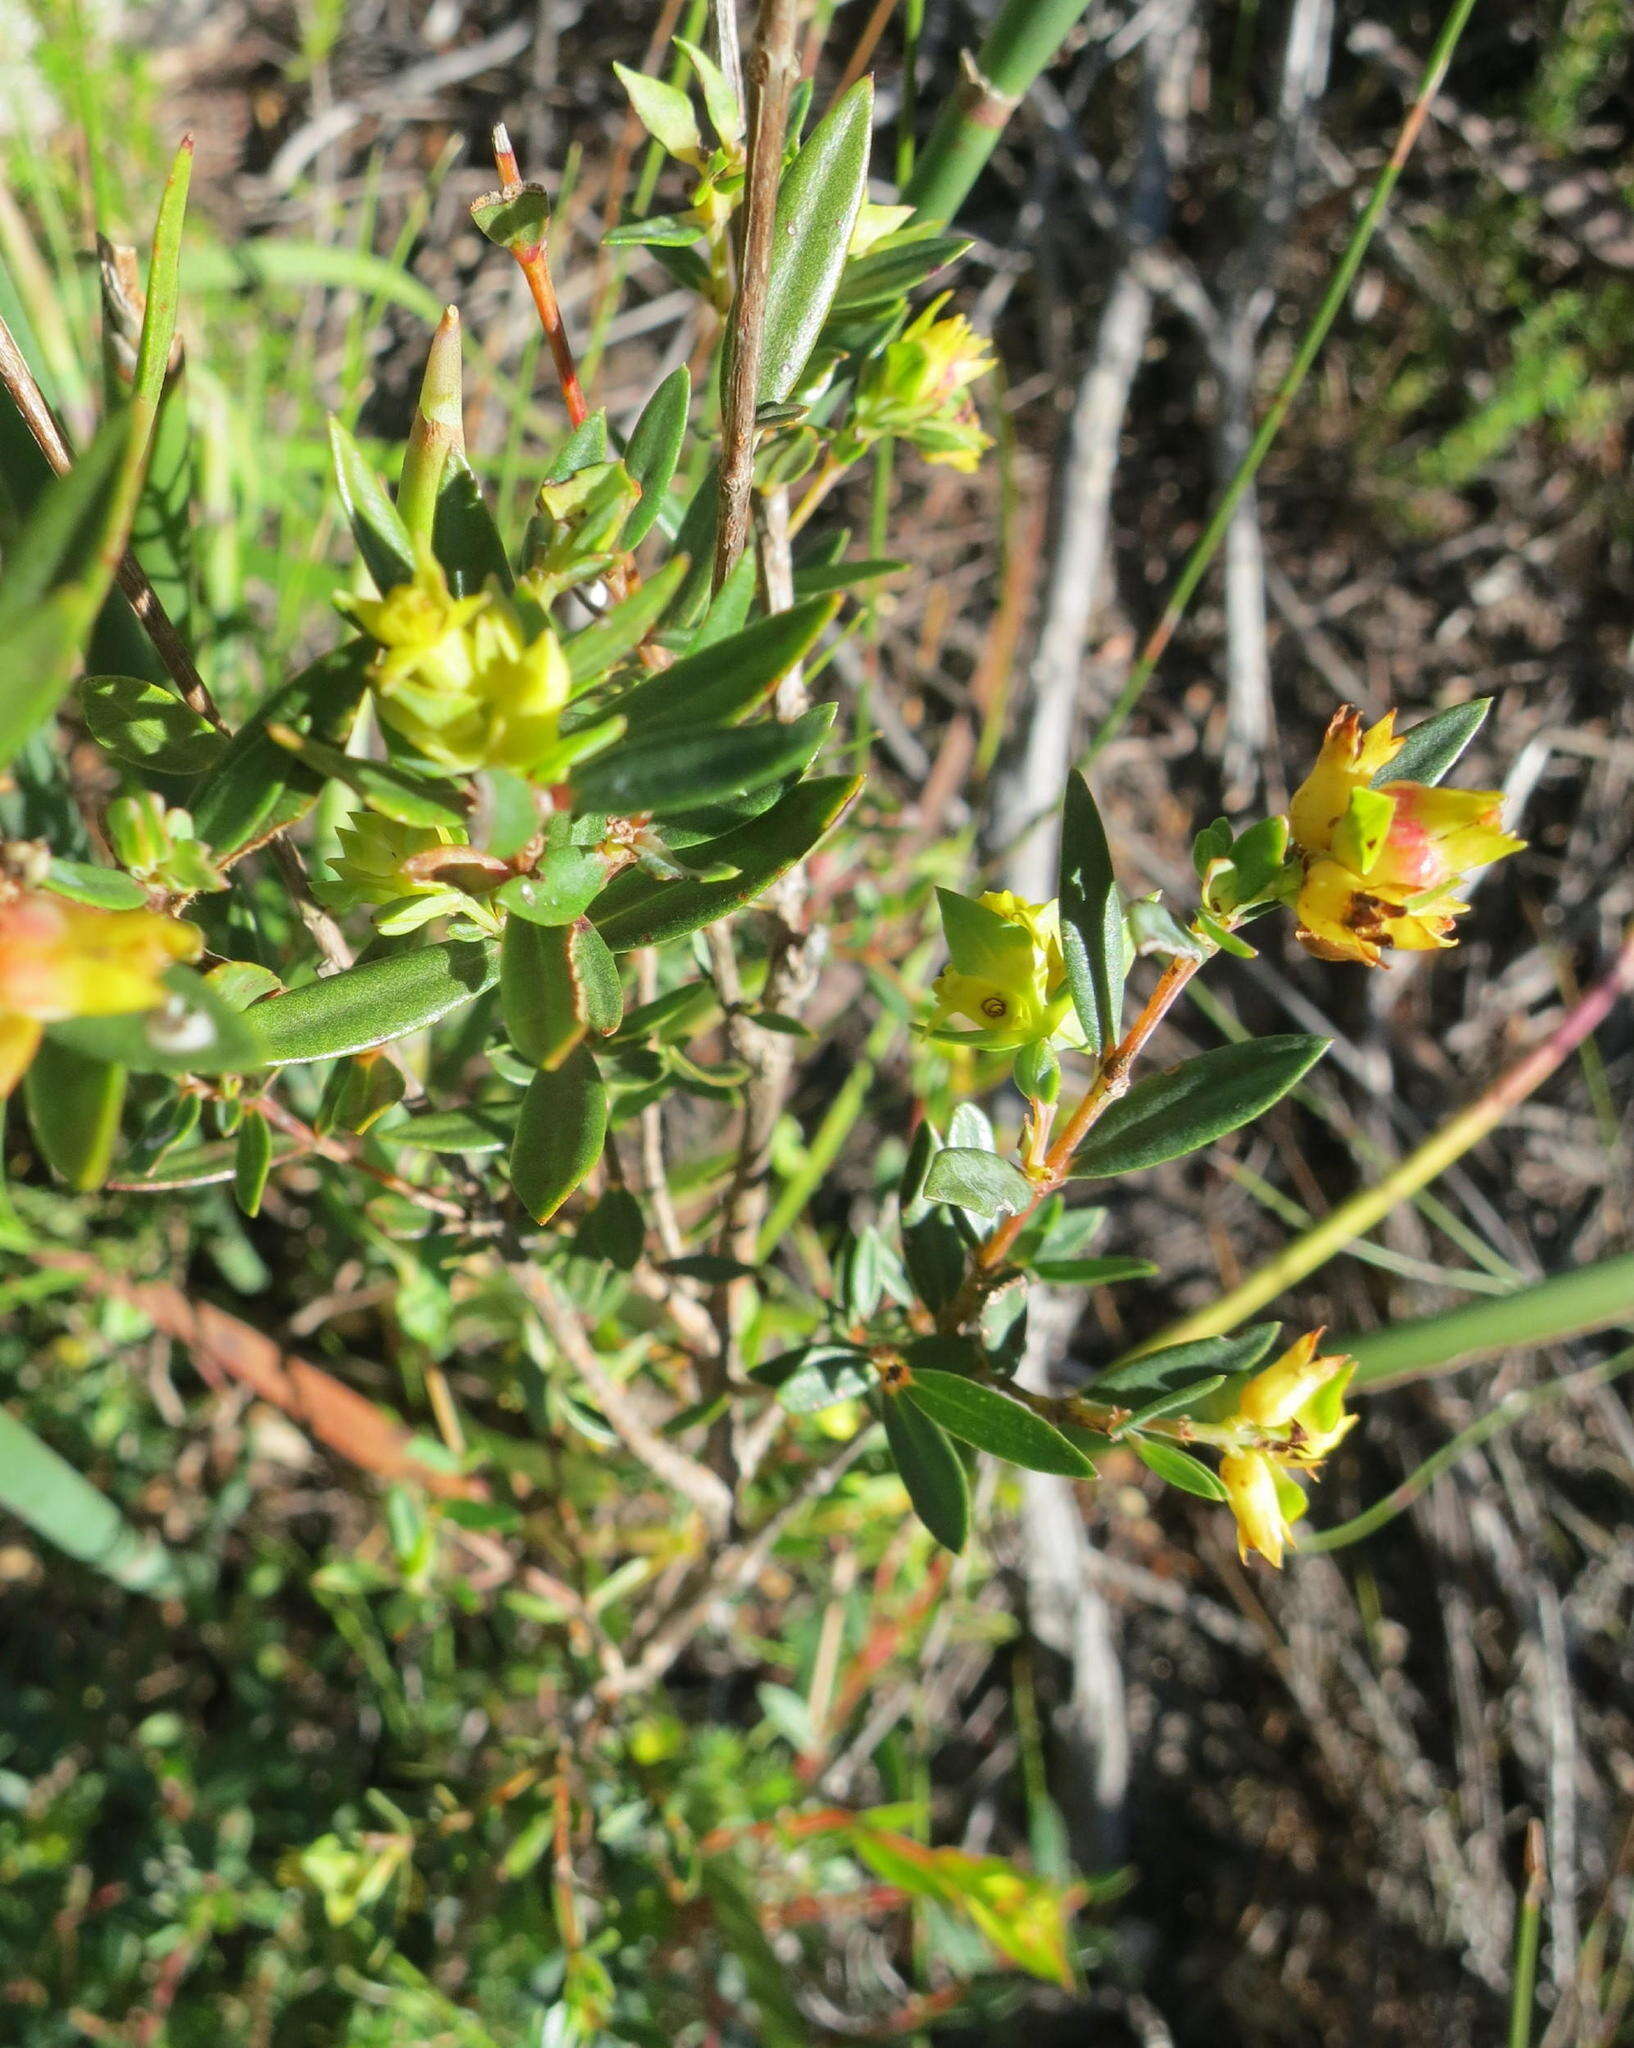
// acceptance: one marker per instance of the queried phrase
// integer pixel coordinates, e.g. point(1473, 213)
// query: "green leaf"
point(1091, 918)
point(634, 910)
point(452, 1130)
point(252, 1162)
point(593, 650)
point(375, 1003)
point(982, 1416)
point(728, 678)
point(147, 725)
point(817, 1376)
point(1180, 1364)
point(676, 771)
point(979, 1181)
point(720, 100)
point(931, 1470)
point(517, 218)
point(1430, 748)
point(377, 526)
point(821, 579)
point(654, 449)
point(614, 1230)
point(559, 1134)
point(73, 1109)
point(879, 281)
point(1195, 1103)
point(1178, 1468)
point(101, 888)
point(1091, 1272)
point(258, 787)
point(817, 206)
point(464, 538)
point(45, 1491)
point(556, 983)
point(194, 1031)
point(664, 111)
point(564, 885)
point(657, 231)
point(400, 793)
point(55, 578)
point(1167, 1404)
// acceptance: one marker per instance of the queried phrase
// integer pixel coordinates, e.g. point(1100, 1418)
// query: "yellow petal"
point(19, 1041)
point(1250, 1481)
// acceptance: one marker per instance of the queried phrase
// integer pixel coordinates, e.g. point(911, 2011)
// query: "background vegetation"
point(330, 1778)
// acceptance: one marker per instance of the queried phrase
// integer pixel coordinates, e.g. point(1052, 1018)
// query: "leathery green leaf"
point(559, 1134)
point(728, 678)
point(979, 1181)
point(1431, 748)
point(374, 1003)
point(252, 1162)
point(817, 206)
point(557, 982)
point(931, 1470)
point(1195, 1103)
point(377, 526)
point(674, 771)
point(258, 787)
point(654, 449)
point(634, 910)
point(73, 1110)
point(1091, 918)
point(992, 1421)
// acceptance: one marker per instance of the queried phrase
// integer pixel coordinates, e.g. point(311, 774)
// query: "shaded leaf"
point(675, 771)
point(931, 1470)
point(73, 1106)
point(1091, 918)
point(653, 450)
point(634, 910)
point(559, 1134)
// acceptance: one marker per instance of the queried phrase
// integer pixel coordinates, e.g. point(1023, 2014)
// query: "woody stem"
point(1111, 1080)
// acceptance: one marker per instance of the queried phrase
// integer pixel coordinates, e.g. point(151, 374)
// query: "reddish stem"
point(534, 263)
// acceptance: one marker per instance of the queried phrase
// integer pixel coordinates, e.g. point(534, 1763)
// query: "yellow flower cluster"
point(1006, 975)
point(1384, 866)
point(918, 389)
point(60, 960)
point(1295, 1407)
point(462, 681)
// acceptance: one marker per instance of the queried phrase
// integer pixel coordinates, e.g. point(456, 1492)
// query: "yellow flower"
point(1384, 866)
point(919, 389)
point(1253, 1488)
point(60, 960)
point(1302, 1394)
point(1296, 1407)
point(1006, 974)
point(461, 680)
